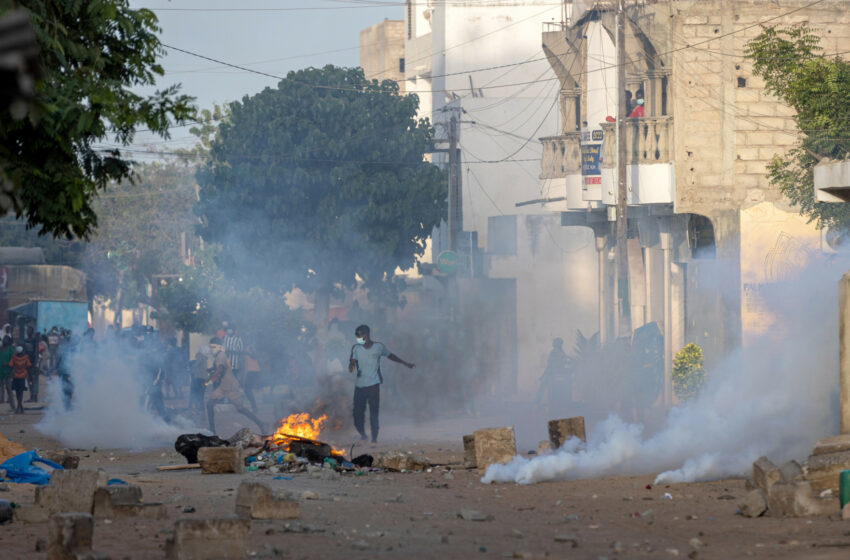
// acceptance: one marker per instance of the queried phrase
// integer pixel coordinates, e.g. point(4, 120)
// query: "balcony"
point(649, 160)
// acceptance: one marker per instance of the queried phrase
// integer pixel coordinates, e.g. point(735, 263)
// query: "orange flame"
point(300, 425)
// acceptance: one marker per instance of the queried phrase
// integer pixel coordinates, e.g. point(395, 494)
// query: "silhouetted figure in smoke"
point(225, 386)
point(555, 384)
point(6, 353)
point(30, 345)
point(647, 368)
point(365, 359)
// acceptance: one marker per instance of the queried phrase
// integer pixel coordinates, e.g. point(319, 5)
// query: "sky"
point(271, 36)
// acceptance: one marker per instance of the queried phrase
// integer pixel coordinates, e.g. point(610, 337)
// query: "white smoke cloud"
point(776, 397)
point(108, 405)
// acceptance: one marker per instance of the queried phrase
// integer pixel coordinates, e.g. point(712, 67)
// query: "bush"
point(688, 373)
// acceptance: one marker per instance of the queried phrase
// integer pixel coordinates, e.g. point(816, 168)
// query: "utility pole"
point(455, 209)
point(624, 307)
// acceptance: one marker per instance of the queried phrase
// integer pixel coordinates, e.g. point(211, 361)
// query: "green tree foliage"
point(96, 54)
point(818, 89)
point(319, 180)
point(688, 373)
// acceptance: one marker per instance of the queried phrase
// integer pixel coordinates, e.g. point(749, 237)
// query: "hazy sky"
point(272, 36)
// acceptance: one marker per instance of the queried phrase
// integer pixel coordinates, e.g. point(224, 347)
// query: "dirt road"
point(419, 515)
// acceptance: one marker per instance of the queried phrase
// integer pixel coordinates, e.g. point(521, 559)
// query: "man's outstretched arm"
point(394, 358)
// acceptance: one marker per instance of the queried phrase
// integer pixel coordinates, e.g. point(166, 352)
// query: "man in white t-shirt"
point(365, 359)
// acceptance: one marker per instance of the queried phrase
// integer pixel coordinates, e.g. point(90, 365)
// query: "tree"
point(688, 372)
point(320, 181)
point(818, 89)
point(94, 54)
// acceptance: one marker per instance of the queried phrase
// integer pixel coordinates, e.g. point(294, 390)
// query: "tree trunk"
point(321, 318)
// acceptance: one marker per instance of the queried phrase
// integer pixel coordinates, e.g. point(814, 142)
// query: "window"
point(742, 82)
point(401, 65)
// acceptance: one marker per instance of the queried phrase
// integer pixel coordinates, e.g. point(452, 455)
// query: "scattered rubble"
point(562, 430)
point(753, 504)
point(255, 500)
point(494, 445)
point(222, 538)
point(474, 515)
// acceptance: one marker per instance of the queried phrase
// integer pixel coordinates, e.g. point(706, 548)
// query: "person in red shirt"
point(638, 111)
point(20, 364)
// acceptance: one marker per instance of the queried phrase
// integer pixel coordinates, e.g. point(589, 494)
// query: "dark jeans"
point(363, 395)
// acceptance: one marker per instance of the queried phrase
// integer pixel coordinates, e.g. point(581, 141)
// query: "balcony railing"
point(648, 140)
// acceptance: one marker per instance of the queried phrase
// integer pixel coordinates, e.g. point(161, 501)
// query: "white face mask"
point(361, 340)
point(640, 101)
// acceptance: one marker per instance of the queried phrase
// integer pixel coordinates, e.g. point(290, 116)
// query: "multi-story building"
point(707, 232)
point(382, 51)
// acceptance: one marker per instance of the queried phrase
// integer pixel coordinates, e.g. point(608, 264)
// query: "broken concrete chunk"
point(69, 535)
point(791, 471)
point(469, 451)
point(124, 500)
point(754, 504)
point(245, 438)
point(220, 460)
point(494, 445)
point(834, 444)
point(823, 470)
point(223, 538)
point(845, 512)
point(565, 428)
point(400, 461)
point(568, 539)
point(544, 447)
point(63, 457)
point(765, 474)
point(474, 515)
point(70, 491)
point(798, 500)
point(255, 500)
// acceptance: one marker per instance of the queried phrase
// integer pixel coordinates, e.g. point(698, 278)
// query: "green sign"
point(447, 262)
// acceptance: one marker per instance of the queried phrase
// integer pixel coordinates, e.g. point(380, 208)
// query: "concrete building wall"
point(382, 52)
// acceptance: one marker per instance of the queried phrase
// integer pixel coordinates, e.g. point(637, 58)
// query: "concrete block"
point(544, 447)
point(823, 470)
point(834, 444)
point(69, 535)
point(798, 500)
point(255, 500)
point(202, 539)
point(125, 501)
point(765, 474)
point(791, 471)
point(64, 458)
point(400, 461)
point(220, 460)
point(70, 491)
point(31, 513)
point(562, 430)
point(469, 451)
point(494, 445)
point(754, 504)
point(845, 512)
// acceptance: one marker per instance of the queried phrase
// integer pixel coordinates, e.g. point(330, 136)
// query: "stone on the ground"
point(567, 538)
point(474, 515)
point(753, 504)
point(70, 491)
point(401, 461)
point(833, 444)
point(196, 539)
point(824, 469)
point(124, 500)
point(565, 428)
point(245, 438)
point(798, 500)
point(69, 535)
point(255, 500)
point(765, 474)
point(544, 447)
point(62, 457)
point(469, 451)
point(494, 445)
point(220, 460)
point(791, 471)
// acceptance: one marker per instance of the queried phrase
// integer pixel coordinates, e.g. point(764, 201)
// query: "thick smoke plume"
point(776, 397)
point(108, 406)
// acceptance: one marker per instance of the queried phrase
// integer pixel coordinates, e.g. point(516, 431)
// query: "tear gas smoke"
point(108, 404)
point(775, 397)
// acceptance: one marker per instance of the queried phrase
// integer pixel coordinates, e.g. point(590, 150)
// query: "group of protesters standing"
point(24, 358)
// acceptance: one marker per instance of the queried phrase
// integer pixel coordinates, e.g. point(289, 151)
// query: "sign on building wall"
point(591, 164)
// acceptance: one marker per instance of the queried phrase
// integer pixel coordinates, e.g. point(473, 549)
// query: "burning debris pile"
point(294, 447)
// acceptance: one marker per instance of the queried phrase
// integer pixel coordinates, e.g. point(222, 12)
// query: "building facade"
point(382, 52)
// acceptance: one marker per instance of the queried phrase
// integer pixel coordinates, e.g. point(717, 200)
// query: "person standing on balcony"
point(638, 111)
